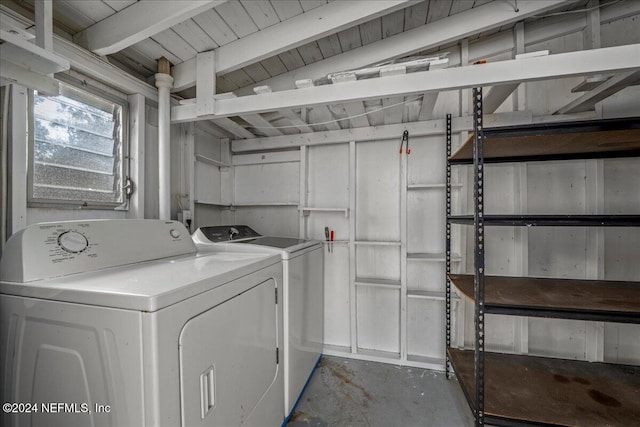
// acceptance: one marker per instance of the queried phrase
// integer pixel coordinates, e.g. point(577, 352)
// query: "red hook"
point(405, 137)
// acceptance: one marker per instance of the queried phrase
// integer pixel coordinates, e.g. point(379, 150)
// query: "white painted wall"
point(552, 187)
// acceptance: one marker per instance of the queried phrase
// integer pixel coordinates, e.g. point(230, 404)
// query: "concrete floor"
point(347, 392)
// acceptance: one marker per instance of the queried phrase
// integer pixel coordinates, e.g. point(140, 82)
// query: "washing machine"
point(122, 323)
point(302, 262)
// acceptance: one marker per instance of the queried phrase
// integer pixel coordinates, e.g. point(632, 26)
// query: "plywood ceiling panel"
point(175, 44)
point(154, 50)
point(330, 46)
point(310, 53)
point(416, 15)
point(237, 18)
point(215, 27)
point(287, 8)
point(257, 72)
point(118, 5)
point(261, 12)
point(291, 59)
point(438, 9)
point(307, 5)
point(197, 38)
point(392, 23)
point(349, 39)
point(371, 31)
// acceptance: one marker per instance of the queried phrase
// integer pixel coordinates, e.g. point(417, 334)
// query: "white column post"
point(164, 83)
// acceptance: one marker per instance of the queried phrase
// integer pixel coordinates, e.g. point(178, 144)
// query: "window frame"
point(40, 202)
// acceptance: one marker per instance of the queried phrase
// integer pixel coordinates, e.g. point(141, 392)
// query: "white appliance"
point(302, 262)
point(122, 323)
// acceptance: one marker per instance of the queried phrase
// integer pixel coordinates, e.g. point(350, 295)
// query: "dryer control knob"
point(174, 233)
point(72, 241)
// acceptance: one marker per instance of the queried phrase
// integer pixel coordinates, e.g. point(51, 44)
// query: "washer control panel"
point(48, 250)
point(73, 242)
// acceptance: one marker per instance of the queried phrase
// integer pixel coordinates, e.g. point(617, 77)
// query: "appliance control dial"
point(73, 242)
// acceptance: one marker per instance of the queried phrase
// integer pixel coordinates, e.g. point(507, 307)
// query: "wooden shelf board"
point(258, 204)
point(431, 186)
point(603, 300)
point(541, 390)
point(556, 141)
point(431, 257)
point(205, 202)
point(552, 220)
point(428, 295)
point(210, 161)
point(380, 283)
point(306, 210)
point(376, 243)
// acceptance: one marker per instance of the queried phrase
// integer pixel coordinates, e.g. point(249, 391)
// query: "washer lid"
point(147, 286)
point(275, 242)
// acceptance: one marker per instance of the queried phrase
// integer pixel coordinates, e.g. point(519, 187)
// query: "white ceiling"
point(234, 20)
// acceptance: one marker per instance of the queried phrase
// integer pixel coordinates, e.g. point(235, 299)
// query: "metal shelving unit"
point(499, 387)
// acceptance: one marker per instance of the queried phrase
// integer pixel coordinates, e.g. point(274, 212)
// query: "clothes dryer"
point(123, 323)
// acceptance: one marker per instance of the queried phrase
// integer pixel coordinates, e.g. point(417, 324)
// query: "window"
point(77, 150)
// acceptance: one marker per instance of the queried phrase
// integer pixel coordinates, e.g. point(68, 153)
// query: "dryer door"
point(228, 359)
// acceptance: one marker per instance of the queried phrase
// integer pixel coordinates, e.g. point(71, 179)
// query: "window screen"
point(77, 149)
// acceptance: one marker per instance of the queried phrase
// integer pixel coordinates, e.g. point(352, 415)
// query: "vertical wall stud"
point(304, 188)
point(352, 247)
point(404, 166)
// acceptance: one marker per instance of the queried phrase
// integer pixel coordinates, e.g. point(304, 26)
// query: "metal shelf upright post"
point(448, 251)
point(478, 259)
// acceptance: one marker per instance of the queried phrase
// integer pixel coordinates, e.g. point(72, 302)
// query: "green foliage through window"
point(77, 149)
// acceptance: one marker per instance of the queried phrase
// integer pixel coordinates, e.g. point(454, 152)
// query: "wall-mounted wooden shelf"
point(431, 186)
point(308, 210)
point(206, 202)
point(376, 243)
point(265, 204)
point(426, 295)
point(210, 161)
point(432, 257)
point(377, 283)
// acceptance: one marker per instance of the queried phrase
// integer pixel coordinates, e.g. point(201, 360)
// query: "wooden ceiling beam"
point(474, 21)
point(137, 22)
point(606, 60)
point(290, 115)
point(297, 31)
point(588, 101)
